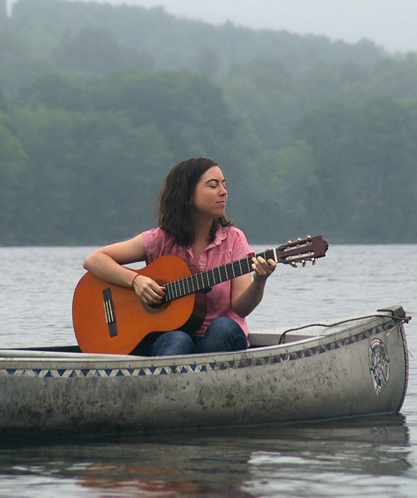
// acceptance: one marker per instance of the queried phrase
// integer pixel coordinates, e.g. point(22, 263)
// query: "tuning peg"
point(293, 264)
point(303, 263)
point(313, 261)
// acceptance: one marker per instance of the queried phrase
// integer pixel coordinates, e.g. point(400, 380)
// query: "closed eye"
point(216, 183)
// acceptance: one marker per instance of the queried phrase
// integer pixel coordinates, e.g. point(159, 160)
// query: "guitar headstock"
point(302, 250)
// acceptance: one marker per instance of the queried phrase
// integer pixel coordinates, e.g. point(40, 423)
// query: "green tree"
point(177, 43)
point(91, 176)
point(396, 76)
point(186, 108)
point(365, 160)
point(325, 131)
point(45, 214)
point(384, 161)
point(12, 171)
point(96, 51)
point(52, 91)
point(118, 177)
point(208, 63)
point(18, 66)
point(261, 93)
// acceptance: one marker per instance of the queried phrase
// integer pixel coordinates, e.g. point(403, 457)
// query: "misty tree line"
point(97, 103)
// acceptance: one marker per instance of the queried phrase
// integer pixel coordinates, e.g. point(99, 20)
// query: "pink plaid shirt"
point(230, 244)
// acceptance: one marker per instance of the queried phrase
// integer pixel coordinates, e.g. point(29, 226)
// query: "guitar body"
point(110, 318)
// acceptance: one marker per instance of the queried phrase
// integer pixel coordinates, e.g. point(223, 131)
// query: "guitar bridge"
point(109, 312)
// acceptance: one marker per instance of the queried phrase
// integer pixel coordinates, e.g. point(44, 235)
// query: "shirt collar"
point(221, 234)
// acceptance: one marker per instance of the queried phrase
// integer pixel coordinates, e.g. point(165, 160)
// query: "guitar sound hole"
point(155, 308)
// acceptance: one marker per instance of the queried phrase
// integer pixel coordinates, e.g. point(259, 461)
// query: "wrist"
point(259, 279)
point(134, 278)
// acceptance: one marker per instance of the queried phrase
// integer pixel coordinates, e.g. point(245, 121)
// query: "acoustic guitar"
point(111, 318)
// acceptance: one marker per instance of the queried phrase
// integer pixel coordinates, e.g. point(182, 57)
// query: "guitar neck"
point(300, 251)
point(206, 279)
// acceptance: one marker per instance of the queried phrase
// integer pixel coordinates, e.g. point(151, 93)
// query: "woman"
point(192, 225)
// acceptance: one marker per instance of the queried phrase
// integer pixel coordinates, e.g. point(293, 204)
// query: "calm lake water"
point(371, 456)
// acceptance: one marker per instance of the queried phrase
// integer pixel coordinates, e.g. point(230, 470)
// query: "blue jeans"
point(223, 334)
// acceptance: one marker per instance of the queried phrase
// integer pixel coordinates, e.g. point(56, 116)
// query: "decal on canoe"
point(378, 364)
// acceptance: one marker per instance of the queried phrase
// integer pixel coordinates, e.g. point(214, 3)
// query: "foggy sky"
point(390, 23)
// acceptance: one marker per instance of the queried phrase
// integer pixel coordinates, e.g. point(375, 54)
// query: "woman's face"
point(209, 198)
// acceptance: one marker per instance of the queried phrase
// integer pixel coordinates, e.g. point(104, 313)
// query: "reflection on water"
point(358, 455)
point(292, 460)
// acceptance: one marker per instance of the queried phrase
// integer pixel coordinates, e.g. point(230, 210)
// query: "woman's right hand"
point(148, 290)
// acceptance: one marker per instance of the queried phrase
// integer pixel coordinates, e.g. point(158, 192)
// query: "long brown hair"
point(174, 213)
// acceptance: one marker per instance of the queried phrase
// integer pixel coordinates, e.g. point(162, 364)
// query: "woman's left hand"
point(262, 268)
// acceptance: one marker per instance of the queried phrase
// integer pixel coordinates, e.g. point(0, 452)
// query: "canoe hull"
point(359, 367)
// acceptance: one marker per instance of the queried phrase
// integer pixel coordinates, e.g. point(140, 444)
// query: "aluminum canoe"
point(340, 368)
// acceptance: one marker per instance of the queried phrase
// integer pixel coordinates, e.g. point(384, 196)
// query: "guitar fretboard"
point(206, 279)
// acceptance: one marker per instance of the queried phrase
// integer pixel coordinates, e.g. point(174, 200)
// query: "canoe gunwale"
point(361, 326)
